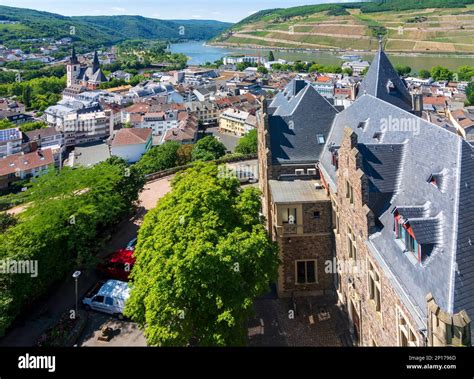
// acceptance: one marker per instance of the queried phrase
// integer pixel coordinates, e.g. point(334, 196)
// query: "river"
point(200, 53)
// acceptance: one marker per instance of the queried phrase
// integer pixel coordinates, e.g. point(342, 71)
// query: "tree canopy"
point(203, 256)
point(248, 144)
point(66, 217)
point(208, 149)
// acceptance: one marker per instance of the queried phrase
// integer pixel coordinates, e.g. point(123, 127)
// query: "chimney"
point(417, 103)
point(298, 86)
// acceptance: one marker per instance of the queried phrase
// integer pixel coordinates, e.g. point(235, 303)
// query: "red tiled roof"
point(132, 136)
point(25, 162)
point(434, 100)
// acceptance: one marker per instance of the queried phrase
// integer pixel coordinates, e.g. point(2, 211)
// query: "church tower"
point(73, 68)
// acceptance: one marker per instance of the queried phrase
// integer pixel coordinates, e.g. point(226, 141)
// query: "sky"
point(222, 10)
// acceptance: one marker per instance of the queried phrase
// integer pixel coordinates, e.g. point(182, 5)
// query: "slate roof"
point(297, 115)
point(381, 163)
point(378, 78)
point(442, 215)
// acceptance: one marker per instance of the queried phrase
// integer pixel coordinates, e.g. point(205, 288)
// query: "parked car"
point(117, 265)
point(245, 176)
point(108, 297)
point(131, 245)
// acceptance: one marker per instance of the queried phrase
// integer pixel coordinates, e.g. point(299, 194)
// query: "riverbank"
point(201, 52)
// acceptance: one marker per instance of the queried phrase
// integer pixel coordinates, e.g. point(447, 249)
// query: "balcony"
point(286, 229)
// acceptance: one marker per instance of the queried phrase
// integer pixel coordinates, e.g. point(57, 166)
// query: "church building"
point(89, 77)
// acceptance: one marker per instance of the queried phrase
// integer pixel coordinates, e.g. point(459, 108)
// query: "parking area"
point(312, 321)
point(123, 333)
point(229, 140)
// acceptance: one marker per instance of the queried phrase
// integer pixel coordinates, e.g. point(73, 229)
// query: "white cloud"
point(118, 9)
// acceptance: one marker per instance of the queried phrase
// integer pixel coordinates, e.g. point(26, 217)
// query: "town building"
point(47, 138)
point(400, 194)
point(11, 141)
point(131, 144)
point(90, 76)
point(23, 166)
point(236, 122)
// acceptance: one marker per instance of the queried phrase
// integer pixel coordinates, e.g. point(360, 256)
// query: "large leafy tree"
point(441, 73)
point(470, 93)
point(208, 149)
point(159, 158)
point(67, 215)
point(248, 144)
point(203, 256)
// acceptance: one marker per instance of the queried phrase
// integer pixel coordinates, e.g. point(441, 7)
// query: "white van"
point(108, 297)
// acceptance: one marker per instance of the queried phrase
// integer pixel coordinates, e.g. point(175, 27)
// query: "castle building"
point(382, 193)
point(89, 77)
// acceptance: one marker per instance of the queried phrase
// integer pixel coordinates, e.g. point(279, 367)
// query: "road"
point(29, 328)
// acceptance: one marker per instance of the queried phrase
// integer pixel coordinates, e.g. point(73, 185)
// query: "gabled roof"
point(298, 115)
point(439, 215)
point(131, 136)
point(382, 81)
point(24, 162)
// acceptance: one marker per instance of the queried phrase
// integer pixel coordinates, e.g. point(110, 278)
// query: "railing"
point(174, 170)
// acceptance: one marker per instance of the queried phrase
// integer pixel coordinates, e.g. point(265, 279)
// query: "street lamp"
point(76, 277)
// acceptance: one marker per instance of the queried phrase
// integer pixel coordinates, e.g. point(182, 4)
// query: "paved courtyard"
point(316, 321)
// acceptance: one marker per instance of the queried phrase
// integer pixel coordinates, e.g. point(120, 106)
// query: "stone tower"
point(73, 68)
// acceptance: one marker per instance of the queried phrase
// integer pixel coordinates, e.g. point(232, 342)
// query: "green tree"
point(470, 93)
point(262, 70)
point(26, 95)
point(184, 155)
point(5, 124)
point(271, 57)
point(465, 73)
point(403, 70)
point(208, 149)
point(6, 221)
point(348, 71)
point(203, 256)
point(316, 68)
point(34, 125)
point(69, 213)
point(424, 74)
point(248, 144)
point(159, 158)
point(441, 73)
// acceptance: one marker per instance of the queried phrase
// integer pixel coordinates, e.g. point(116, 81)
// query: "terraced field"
point(418, 31)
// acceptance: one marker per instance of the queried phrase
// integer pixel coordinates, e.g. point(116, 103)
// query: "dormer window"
point(390, 87)
point(320, 139)
point(362, 125)
point(377, 136)
point(404, 233)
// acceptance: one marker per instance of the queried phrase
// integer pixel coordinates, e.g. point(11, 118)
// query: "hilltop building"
point(384, 195)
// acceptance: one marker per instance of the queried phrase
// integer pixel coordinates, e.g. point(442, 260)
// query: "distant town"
point(249, 201)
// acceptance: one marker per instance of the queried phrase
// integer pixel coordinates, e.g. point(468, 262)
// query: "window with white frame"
point(374, 286)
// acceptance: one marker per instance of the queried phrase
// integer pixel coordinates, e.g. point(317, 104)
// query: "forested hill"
point(94, 31)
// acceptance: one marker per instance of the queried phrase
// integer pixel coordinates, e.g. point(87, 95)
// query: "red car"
point(117, 265)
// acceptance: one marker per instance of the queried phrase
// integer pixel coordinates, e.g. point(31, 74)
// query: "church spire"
point(95, 62)
point(74, 59)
